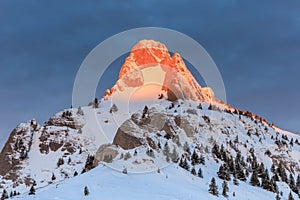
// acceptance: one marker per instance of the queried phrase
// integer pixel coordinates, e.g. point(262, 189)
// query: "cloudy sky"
point(255, 45)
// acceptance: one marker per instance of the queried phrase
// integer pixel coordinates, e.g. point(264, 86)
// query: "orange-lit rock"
point(178, 82)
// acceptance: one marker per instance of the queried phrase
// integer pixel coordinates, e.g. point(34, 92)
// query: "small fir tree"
point(174, 155)
point(254, 179)
point(200, 175)
point(213, 188)
point(291, 196)
point(193, 171)
point(53, 177)
point(225, 189)
point(86, 191)
point(32, 190)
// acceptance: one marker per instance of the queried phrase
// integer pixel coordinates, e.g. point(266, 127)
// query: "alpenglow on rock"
point(150, 62)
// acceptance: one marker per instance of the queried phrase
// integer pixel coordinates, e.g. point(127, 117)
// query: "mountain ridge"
point(179, 130)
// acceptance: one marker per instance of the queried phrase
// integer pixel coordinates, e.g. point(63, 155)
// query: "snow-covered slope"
point(155, 135)
point(171, 183)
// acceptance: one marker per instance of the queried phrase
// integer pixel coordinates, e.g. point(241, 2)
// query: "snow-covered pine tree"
point(166, 152)
point(32, 190)
point(265, 181)
point(193, 171)
point(202, 160)
point(4, 195)
point(223, 172)
point(195, 158)
point(254, 179)
point(292, 183)
point(113, 109)
point(186, 147)
point(290, 196)
point(86, 191)
point(213, 188)
point(200, 175)
point(225, 189)
point(127, 156)
point(53, 177)
point(60, 162)
point(174, 155)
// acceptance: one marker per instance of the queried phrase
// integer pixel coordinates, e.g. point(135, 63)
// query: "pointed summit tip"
point(149, 44)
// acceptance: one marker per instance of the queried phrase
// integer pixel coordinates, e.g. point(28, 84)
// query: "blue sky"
point(256, 46)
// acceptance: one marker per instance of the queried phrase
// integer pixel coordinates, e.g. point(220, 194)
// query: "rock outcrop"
point(178, 82)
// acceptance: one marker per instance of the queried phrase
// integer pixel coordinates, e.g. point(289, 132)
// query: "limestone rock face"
point(106, 153)
point(183, 123)
point(131, 133)
point(178, 82)
point(128, 135)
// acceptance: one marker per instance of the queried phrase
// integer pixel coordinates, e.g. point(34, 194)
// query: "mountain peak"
point(150, 62)
point(148, 44)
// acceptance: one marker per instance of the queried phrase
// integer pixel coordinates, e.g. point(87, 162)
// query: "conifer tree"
point(89, 163)
point(86, 191)
point(195, 158)
point(261, 170)
point(254, 179)
point(298, 182)
point(239, 171)
point(235, 181)
point(166, 150)
point(215, 151)
point(53, 177)
point(60, 162)
point(127, 156)
point(95, 103)
point(223, 172)
point(273, 186)
point(145, 112)
point(213, 188)
point(291, 196)
point(184, 164)
point(292, 184)
point(186, 147)
point(225, 189)
point(193, 171)
point(282, 173)
point(200, 175)
point(202, 160)
point(275, 177)
point(236, 139)
point(113, 109)
point(277, 197)
point(32, 190)
point(273, 170)
point(4, 195)
point(174, 155)
point(265, 181)
point(199, 106)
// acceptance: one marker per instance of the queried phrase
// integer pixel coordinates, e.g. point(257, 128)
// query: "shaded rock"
point(106, 153)
point(184, 123)
point(129, 135)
